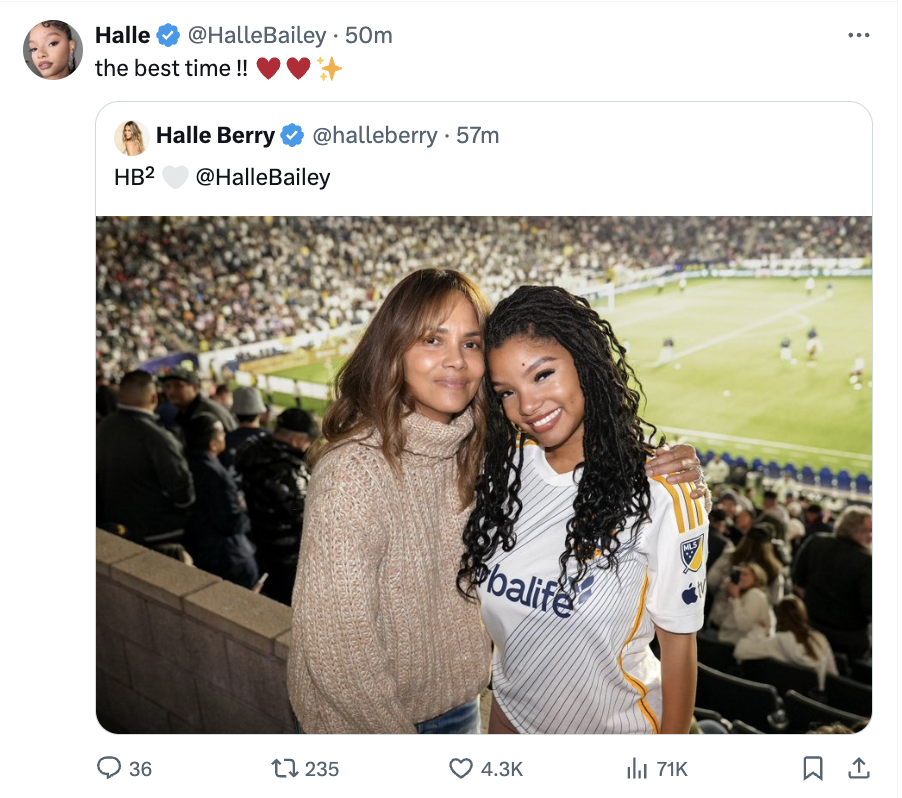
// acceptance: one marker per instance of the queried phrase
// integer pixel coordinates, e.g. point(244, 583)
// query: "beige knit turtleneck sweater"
point(381, 639)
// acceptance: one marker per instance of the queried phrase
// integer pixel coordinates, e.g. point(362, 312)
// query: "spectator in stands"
point(716, 471)
point(188, 283)
point(143, 481)
point(728, 501)
point(738, 474)
point(248, 408)
point(815, 522)
point(719, 545)
point(274, 476)
point(742, 606)
point(772, 508)
point(223, 394)
point(216, 533)
point(795, 642)
point(182, 389)
point(795, 534)
point(833, 574)
point(718, 541)
point(755, 547)
point(107, 400)
point(784, 487)
point(743, 522)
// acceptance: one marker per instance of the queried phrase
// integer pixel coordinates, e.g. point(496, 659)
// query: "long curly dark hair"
point(613, 489)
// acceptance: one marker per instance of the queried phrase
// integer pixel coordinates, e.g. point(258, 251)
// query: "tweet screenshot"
point(479, 369)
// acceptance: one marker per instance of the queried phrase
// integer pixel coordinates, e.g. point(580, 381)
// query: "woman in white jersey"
point(578, 557)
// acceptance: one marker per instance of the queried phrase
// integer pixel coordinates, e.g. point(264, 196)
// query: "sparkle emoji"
point(332, 68)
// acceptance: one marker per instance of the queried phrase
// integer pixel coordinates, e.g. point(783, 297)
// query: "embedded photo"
point(461, 475)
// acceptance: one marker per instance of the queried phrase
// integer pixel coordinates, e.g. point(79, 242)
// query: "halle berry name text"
point(224, 135)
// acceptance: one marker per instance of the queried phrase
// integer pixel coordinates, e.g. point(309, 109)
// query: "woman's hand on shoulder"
point(679, 464)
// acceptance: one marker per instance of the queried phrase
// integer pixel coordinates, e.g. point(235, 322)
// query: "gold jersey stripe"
point(686, 519)
point(637, 685)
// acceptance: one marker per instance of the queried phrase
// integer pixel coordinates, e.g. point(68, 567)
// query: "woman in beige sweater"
point(381, 641)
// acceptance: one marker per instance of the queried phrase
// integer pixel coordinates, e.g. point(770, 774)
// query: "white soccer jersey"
point(583, 666)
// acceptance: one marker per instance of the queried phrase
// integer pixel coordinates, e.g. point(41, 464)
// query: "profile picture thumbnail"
point(130, 137)
point(53, 49)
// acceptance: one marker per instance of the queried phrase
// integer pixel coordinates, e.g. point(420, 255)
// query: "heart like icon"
point(461, 767)
point(175, 176)
point(268, 68)
point(298, 68)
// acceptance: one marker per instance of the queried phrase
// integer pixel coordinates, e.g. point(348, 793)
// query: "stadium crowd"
point(216, 482)
point(180, 471)
point(171, 284)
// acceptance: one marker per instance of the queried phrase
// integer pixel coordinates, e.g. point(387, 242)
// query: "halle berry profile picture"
point(129, 137)
point(52, 50)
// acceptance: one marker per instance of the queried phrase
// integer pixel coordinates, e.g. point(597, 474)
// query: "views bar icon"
point(634, 773)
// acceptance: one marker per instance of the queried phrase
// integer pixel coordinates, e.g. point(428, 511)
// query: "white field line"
point(696, 434)
point(681, 353)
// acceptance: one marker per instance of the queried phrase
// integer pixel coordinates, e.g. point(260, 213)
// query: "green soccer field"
point(726, 388)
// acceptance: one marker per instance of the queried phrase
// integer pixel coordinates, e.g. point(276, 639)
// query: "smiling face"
point(539, 389)
point(50, 50)
point(128, 133)
point(442, 372)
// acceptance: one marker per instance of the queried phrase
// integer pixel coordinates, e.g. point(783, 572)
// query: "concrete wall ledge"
point(182, 651)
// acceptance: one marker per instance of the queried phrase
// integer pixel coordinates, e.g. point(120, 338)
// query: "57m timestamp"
point(474, 134)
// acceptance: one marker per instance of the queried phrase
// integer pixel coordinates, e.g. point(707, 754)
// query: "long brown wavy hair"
point(755, 547)
point(137, 137)
point(370, 390)
point(792, 616)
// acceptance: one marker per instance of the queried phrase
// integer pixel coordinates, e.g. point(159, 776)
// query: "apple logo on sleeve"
point(689, 595)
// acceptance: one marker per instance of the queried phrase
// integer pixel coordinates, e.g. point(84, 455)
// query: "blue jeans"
point(460, 720)
point(464, 719)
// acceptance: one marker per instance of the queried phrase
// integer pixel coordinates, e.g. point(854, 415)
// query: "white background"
point(789, 116)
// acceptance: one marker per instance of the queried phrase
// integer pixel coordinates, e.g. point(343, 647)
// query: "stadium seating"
point(791, 471)
point(773, 470)
point(862, 484)
point(759, 705)
point(757, 464)
point(806, 713)
point(782, 675)
point(741, 462)
point(825, 478)
point(845, 669)
point(807, 476)
point(849, 695)
point(741, 727)
point(715, 654)
point(843, 481)
point(860, 671)
point(711, 716)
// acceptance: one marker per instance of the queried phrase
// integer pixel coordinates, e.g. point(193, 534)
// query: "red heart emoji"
point(269, 68)
point(298, 68)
